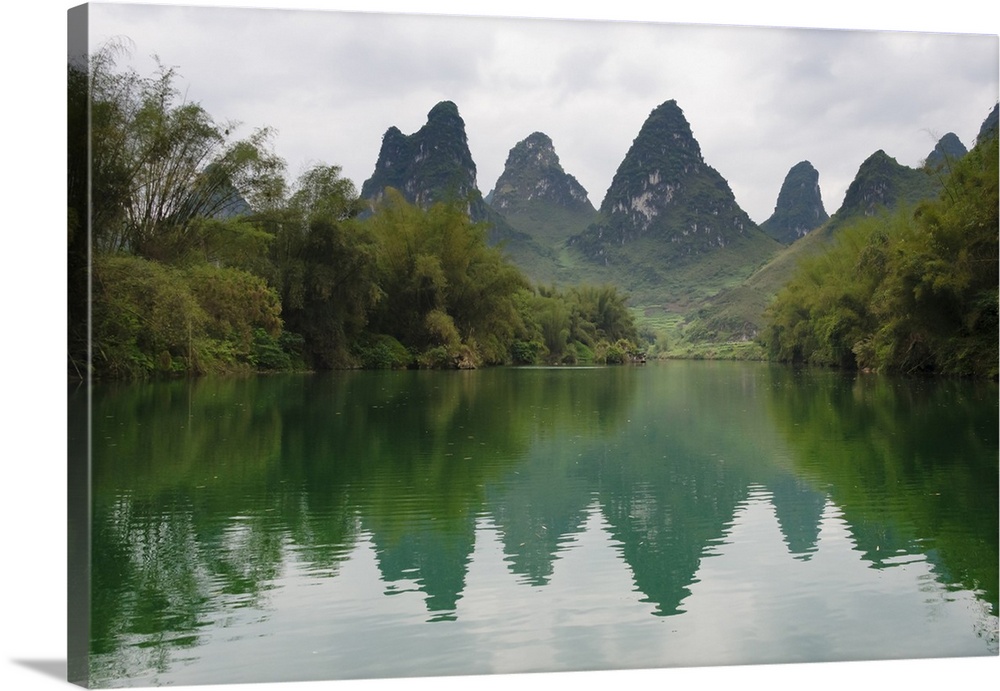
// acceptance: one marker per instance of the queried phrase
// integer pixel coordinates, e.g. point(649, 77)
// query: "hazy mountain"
point(663, 189)
point(989, 126)
point(800, 205)
point(882, 183)
point(669, 228)
point(431, 165)
point(537, 196)
point(533, 173)
point(948, 148)
point(434, 164)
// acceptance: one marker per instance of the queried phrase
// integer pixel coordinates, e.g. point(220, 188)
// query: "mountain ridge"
point(669, 229)
point(434, 164)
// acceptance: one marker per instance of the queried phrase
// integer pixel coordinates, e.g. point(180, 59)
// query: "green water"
point(381, 524)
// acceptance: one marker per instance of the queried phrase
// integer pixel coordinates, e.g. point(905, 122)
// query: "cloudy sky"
point(749, 102)
point(759, 99)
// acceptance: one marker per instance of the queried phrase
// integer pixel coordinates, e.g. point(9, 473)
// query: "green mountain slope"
point(881, 184)
point(539, 199)
point(670, 230)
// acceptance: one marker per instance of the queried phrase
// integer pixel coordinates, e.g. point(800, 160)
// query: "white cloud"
point(758, 99)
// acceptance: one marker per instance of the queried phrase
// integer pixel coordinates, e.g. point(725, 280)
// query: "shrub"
point(380, 351)
point(527, 352)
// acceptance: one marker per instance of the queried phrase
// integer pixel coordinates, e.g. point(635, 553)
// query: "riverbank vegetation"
point(191, 252)
point(202, 258)
point(911, 291)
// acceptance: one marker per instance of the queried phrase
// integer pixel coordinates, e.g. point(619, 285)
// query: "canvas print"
point(408, 346)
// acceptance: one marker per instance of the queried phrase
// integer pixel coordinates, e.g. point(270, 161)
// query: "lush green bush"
point(144, 318)
point(381, 351)
point(276, 354)
point(236, 304)
point(617, 353)
point(441, 285)
point(151, 318)
point(912, 292)
point(527, 352)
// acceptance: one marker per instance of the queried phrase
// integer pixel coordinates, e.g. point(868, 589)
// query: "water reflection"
point(911, 463)
point(224, 505)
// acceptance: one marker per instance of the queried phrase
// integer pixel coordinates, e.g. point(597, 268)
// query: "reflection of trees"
point(408, 454)
point(199, 486)
point(912, 464)
point(175, 529)
point(450, 445)
point(205, 494)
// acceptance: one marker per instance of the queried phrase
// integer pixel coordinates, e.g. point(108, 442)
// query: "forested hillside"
point(191, 251)
point(203, 258)
point(913, 290)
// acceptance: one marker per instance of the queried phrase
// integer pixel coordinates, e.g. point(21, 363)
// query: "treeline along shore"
point(202, 259)
point(191, 253)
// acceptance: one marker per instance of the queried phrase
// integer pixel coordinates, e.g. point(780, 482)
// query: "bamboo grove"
point(910, 291)
point(190, 253)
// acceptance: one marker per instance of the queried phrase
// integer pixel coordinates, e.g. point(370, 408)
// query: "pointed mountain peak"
point(433, 165)
point(800, 205)
point(537, 145)
point(664, 189)
point(533, 175)
point(666, 130)
point(430, 165)
point(948, 149)
point(444, 109)
point(883, 183)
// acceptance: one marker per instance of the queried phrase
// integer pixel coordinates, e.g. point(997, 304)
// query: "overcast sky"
point(759, 100)
point(34, 296)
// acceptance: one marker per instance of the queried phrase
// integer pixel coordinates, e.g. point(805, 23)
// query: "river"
point(393, 524)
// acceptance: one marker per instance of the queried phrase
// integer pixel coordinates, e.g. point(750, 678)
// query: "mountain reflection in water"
point(425, 523)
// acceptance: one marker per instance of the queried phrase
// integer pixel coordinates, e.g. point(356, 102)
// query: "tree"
point(159, 163)
point(443, 286)
point(325, 261)
point(910, 292)
point(78, 210)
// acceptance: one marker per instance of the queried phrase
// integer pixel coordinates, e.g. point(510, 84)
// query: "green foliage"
point(235, 242)
point(910, 292)
point(601, 312)
point(379, 351)
point(78, 210)
point(268, 352)
point(527, 352)
point(236, 304)
point(576, 325)
point(151, 318)
point(144, 318)
point(329, 289)
point(617, 353)
point(441, 285)
point(158, 163)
